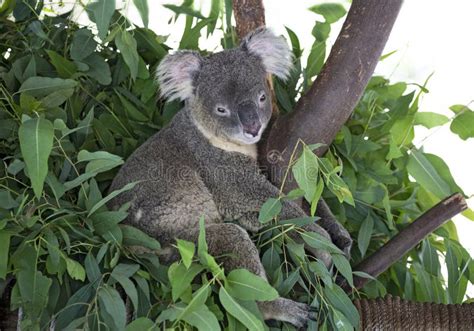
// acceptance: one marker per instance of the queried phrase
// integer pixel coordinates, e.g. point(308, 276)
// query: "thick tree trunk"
point(249, 15)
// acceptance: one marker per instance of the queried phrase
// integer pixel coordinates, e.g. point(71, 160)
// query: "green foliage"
point(463, 123)
point(392, 183)
point(75, 103)
point(36, 142)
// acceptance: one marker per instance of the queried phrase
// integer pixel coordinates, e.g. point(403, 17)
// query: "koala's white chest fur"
point(249, 150)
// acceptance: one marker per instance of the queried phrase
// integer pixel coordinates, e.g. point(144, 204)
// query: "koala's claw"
point(303, 313)
point(296, 313)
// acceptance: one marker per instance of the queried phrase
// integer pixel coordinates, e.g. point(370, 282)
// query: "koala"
point(204, 162)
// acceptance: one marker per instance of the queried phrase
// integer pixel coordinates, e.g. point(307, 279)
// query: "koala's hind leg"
point(233, 243)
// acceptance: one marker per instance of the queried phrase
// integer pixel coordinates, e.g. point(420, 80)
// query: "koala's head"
point(227, 92)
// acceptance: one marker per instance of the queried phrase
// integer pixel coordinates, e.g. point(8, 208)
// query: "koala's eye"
point(263, 97)
point(222, 111)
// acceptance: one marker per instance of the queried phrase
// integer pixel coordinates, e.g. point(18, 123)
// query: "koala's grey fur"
point(204, 162)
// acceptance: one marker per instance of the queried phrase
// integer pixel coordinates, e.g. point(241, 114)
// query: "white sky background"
point(430, 36)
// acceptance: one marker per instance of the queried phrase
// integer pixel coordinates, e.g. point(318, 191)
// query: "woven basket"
point(393, 313)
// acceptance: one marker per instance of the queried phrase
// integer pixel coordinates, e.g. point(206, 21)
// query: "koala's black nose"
point(248, 115)
point(252, 129)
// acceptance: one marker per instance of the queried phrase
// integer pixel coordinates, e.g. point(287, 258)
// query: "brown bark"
point(321, 113)
point(249, 15)
point(409, 237)
point(393, 313)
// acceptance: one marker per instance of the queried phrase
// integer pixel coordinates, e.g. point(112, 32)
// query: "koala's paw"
point(281, 309)
point(301, 314)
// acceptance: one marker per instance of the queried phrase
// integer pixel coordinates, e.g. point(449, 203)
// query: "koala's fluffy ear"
point(175, 74)
point(274, 51)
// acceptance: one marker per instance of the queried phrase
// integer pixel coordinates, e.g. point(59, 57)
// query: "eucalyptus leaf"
point(109, 197)
point(92, 268)
point(269, 210)
point(197, 301)
point(142, 323)
point(142, 6)
point(83, 44)
point(424, 173)
point(102, 11)
point(339, 299)
point(341, 322)
point(63, 66)
point(321, 31)
point(36, 142)
point(430, 120)
point(463, 124)
point(129, 288)
point(186, 250)
point(237, 311)
point(33, 287)
point(184, 10)
point(316, 59)
point(135, 237)
point(330, 11)
point(306, 172)
point(45, 86)
point(203, 319)
point(111, 302)
point(181, 278)
point(98, 68)
point(127, 46)
point(343, 266)
point(365, 233)
point(75, 269)
point(243, 284)
point(316, 240)
point(107, 220)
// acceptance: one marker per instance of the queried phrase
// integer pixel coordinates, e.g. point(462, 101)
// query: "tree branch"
point(409, 237)
point(321, 113)
point(249, 15)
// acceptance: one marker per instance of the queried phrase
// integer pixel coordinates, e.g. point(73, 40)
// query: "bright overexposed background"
point(428, 37)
